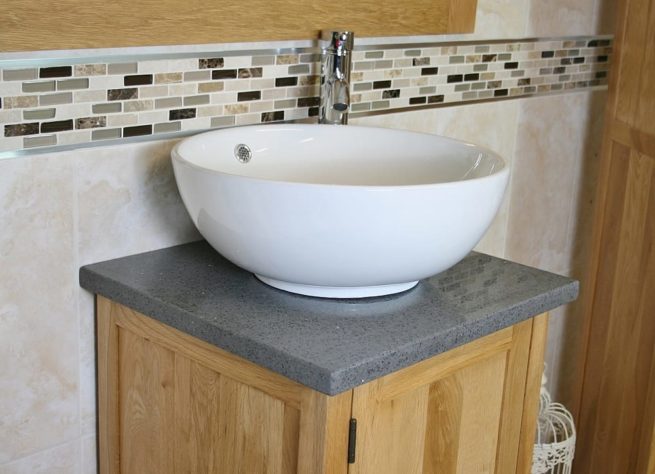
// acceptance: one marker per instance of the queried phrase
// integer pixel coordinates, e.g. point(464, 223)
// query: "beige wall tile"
point(501, 18)
point(89, 463)
point(550, 143)
point(128, 201)
point(561, 17)
point(63, 459)
point(38, 319)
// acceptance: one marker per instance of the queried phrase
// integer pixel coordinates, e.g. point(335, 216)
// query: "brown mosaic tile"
point(287, 59)
point(235, 109)
point(122, 94)
point(138, 105)
point(211, 87)
point(20, 102)
point(211, 63)
point(168, 78)
point(90, 122)
point(309, 101)
point(137, 131)
point(181, 114)
point(57, 126)
point(272, 116)
point(90, 69)
point(21, 129)
point(57, 71)
point(308, 80)
point(245, 73)
point(137, 80)
point(250, 95)
point(224, 74)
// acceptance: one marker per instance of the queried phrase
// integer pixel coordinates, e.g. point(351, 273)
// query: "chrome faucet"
point(335, 76)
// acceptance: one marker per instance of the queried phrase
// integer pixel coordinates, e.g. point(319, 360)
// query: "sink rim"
point(503, 168)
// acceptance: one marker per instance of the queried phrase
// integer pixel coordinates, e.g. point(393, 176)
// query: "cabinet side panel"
point(530, 406)
point(108, 419)
point(514, 397)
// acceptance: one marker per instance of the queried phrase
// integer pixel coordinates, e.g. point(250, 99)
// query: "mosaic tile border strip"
point(81, 103)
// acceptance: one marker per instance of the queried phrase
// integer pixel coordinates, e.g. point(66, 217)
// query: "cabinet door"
point(169, 403)
point(459, 412)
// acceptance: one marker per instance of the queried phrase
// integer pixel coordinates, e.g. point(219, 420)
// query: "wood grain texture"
point(172, 404)
point(616, 413)
point(530, 408)
point(108, 414)
point(69, 24)
point(452, 413)
point(510, 434)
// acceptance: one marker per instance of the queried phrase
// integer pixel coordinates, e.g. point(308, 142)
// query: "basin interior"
point(334, 155)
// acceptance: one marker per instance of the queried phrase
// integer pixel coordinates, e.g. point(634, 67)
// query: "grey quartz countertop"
point(328, 345)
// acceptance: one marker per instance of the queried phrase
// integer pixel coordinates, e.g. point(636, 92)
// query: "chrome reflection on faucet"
point(335, 76)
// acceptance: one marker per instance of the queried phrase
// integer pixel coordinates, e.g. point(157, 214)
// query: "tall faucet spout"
point(335, 77)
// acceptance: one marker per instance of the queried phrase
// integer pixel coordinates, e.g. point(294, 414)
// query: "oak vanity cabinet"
point(170, 403)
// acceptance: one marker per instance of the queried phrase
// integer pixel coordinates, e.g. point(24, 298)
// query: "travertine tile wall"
point(70, 208)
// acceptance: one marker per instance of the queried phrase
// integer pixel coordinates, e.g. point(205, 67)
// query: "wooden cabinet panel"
point(187, 407)
point(450, 414)
point(616, 414)
point(169, 403)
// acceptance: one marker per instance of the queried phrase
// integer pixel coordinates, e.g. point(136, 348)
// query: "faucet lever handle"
point(339, 40)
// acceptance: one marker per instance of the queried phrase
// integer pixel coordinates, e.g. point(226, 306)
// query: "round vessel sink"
point(338, 211)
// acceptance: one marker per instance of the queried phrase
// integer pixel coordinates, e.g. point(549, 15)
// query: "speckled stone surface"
point(328, 345)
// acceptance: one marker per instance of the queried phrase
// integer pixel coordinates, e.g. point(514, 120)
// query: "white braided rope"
point(555, 445)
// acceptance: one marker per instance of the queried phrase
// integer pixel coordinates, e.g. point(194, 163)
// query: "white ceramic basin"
point(339, 211)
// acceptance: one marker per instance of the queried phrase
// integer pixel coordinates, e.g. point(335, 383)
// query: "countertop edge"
point(324, 380)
